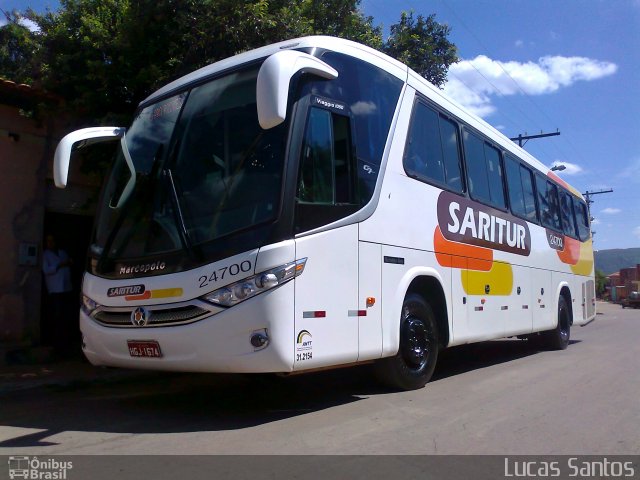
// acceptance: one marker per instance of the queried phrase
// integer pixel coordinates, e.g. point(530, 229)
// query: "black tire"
point(412, 367)
point(558, 338)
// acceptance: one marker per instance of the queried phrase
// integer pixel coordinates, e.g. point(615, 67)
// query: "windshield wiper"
point(184, 233)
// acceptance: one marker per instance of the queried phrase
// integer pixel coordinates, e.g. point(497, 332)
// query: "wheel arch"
point(564, 291)
point(428, 283)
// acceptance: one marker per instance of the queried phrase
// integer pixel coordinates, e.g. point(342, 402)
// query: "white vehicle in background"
point(315, 203)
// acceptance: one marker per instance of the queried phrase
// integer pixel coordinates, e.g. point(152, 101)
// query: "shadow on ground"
point(205, 402)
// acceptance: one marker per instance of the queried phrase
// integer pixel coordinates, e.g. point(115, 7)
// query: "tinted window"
point(582, 219)
point(521, 195)
point(476, 168)
point(451, 153)
point(494, 173)
point(484, 171)
point(423, 157)
point(316, 171)
point(371, 95)
point(433, 152)
point(529, 194)
point(566, 212)
point(514, 183)
point(327, 182)
point(326, 171)
point(548, 203)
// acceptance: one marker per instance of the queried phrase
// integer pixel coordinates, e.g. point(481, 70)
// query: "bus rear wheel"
point(412, 367)
point(558, 338)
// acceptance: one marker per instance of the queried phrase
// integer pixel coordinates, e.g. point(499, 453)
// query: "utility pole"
point(522, 139)
point(587, 198)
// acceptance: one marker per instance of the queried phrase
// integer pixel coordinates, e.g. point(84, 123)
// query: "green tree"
point(422, 44)
point(18, 48)
point(601, 281)
point(105, 56)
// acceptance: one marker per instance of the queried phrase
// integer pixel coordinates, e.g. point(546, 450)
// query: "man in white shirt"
point(57, 275)
point(55, 265)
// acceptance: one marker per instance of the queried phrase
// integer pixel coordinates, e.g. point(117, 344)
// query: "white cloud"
point(636, 232)
point(570, 168)
point(473, 82)
point(30, 24)
point(519, 43)
point(25, 22)
point(595, 221)
point(611, 211)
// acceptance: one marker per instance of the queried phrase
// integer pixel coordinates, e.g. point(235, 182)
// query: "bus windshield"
point(204, 169)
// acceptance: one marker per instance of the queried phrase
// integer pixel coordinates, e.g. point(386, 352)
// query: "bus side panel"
point(370, 286)
point(326, 299)
point(544, 315)
point(590, 298)
point(520, 318)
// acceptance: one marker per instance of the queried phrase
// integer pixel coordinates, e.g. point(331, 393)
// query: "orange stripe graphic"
point(461, 255)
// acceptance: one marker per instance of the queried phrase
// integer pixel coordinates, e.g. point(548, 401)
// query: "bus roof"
point(374, 57)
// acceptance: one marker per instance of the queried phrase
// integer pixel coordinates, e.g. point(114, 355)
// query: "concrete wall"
point(25, 147)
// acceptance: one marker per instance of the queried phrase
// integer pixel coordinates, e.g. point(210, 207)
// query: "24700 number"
point(228, 271)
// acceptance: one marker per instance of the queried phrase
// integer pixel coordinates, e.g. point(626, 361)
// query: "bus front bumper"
point(217, 343)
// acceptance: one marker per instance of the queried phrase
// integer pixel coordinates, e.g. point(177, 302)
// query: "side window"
point(494, 172)
point(476, 168)
point(529, 194)
point(372, 95)
point(582, 219)
point(316, 171)
point(327, 175)
point(327, 181)
point(423, 157)
point(514, 184)
point(548, 203)
point(451, 152)
point(521, 194)
point(566, 211)
point(432, 153)
point(484, 171)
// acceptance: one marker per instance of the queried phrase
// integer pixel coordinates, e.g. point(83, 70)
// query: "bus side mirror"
point(78, 139)
point(272, 87)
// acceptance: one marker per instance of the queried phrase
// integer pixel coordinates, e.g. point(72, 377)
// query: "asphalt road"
point(501, 397)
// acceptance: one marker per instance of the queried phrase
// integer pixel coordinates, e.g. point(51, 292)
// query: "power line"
point(444, 2)
point(520, 138)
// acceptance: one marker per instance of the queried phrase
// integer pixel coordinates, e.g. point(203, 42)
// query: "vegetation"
point(611, 261)
point(105, 56)
point(601, 281)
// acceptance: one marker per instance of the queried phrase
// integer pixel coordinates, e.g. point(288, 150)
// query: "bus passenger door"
point(327, 291)
point(326, 299)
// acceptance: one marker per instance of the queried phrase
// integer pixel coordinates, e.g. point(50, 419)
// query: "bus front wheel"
point(412, 367)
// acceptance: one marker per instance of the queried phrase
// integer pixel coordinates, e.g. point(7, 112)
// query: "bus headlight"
point(88, 305)
point(252, 286)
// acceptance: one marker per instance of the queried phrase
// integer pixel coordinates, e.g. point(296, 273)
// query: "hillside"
point(611, 261)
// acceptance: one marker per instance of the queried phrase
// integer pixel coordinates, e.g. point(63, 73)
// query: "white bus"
point(315, 203)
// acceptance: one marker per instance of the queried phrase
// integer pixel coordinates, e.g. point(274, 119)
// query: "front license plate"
point(144, 348)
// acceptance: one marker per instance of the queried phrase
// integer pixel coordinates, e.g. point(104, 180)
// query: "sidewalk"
point(73, 372)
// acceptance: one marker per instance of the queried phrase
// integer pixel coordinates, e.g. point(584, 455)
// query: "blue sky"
point(540, 65)
point(532, 66)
